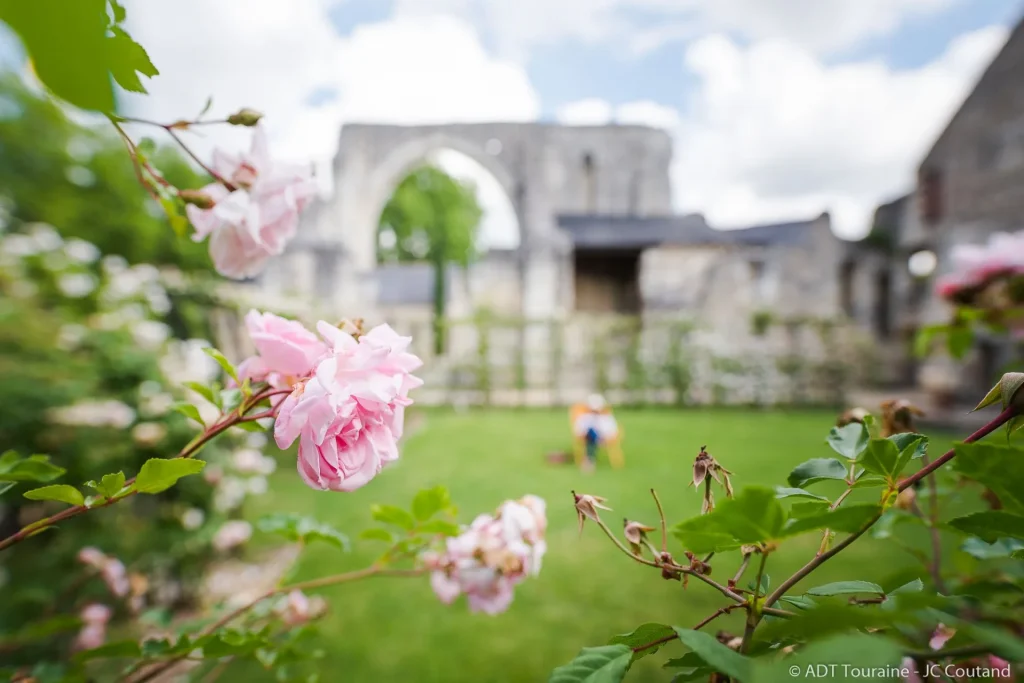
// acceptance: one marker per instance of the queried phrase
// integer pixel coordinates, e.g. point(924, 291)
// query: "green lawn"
point(384, 630)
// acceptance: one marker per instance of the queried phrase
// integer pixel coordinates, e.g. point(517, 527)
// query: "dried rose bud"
point(905, 500)
point(245, 117)
point(636, 534)
point(197, 198)
point(587, 506)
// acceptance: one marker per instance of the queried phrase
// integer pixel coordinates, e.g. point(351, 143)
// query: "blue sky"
point(778, 109)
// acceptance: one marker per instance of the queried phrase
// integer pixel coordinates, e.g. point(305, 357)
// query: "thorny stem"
point(753, 618)
point(366, 572)
point(661, 515)
point(704, 622)
point(226, 422)
point(188, 150)
point(935, 566)
point(818, 560)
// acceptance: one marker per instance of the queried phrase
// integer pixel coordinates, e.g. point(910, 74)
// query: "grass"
point(385, 630)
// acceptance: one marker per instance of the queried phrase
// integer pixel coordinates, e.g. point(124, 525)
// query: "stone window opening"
point(847, 272)
point(589, 184)
point(759, 279)
point(931, 196)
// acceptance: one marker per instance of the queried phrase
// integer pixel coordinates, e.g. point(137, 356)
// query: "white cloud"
point(773, 132)
point(272, 55)
point(592, 111)
point(516, 26)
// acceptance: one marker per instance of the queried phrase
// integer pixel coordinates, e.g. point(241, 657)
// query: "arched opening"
point(589, 184)
point(446, 243)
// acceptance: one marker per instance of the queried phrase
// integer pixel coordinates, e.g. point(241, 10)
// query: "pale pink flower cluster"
point(232, 534)
point(942, 635)
point(975, 265)
point(111, 570)
point(349, 413)
point(256, 220)
point(491, 556)
point(94, 626)
point(297, 608)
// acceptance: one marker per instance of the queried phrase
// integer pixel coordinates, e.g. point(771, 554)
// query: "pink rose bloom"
point(299, 609)
point(94, 627)
point(491, 556)
point(232, 534)
point(111, 570)
point(255, 221)
point(349, 416)
point(286, 350)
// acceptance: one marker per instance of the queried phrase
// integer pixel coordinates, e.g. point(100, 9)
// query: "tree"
point(81, 181)
point(431, 217)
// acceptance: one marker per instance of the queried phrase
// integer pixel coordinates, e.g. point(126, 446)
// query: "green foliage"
point(715, 655)
point(59, 492)
point(33, 468)
point(992, 525)
point(305, 529)
point(160, 474)
point(81, 180)
point(753, 516)
point(606, 664)
point(846, 588)
point(848, 518)
point(430, 502)
point(849, 441)
point(643, 635)
point(999, 468)
point(818, 469)
point(884, 457)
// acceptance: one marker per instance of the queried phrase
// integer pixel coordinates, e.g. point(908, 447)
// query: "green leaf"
point(1004, 644)
point(991, 525)
point(439, 526)
point(849, 518)
point(882, 457)
point(690, 660)
point(905, 440)
point(754, 515)
point(390, 514)
point(127, 60)
point(717, 656)
point(306, 529)
point(159, 474)
point(1004, 547)
point(818, 469)
point(784, 492)
point(206, 107)
point(376, 534)
point(178, 222)
point(118, 11)
point(60, 492)
point(813, 507)
point(998, 467)
point(111, 484)
point(849, 441)
point(122, 649)
point(230, 399)
point(1018, 554)
point(429, 502)
point(960, 340)
point(994, 395)
point(606, 664)
point(204, 391)
point(222, 361)
point(824, 621)
point(646, 633)
point(834, 659)
point(702, 535)
point(915, 586)
point(65, 41)
point(799, 601)
point(846, 587)
point(189, 411)
point(33, 468)
point(251, 426)
point(231, 644)
point(869, 481)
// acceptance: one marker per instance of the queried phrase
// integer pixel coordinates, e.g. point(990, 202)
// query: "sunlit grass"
point(396, 629)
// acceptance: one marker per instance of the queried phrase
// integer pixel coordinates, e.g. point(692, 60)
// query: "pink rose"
point(491, 556)
point(94, 627)
point(285, 348)
point(111, 570)
point(298, 609)
point(349, 416)
point(259, 217)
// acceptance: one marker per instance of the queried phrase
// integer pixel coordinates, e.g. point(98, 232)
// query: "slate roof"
point(590, 232)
